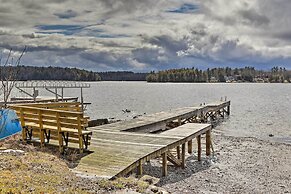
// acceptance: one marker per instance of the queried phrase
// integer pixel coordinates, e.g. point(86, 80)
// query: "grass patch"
point(124, 183)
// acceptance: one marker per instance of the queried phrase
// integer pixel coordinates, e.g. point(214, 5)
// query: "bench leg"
point(165, 166)
point(208, 142)
point(86, 141)
point(24, 133)
point(29, 134)
point(190, 147)
point(183, 155)
point(199, 147)
point(66, 138)
point(47, 135)
point(41, 137)
point(61, 143)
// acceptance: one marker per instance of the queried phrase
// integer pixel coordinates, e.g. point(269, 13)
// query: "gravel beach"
point(239, 165)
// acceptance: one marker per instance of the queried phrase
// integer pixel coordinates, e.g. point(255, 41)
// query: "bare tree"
point(8, 75)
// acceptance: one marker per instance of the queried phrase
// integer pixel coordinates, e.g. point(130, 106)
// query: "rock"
point(151, 180)
point(15, 152)
point(126, 111)
point(97, 122)
point(154, 189)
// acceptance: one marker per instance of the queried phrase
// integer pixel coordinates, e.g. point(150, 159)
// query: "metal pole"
point(34, 96)
point(62, 94)
point(82, 102)
point(56, 91)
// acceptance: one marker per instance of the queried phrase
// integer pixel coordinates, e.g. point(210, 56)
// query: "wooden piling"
point(139, 168)
point(208, 142)
point(165, 167)
point(178, 152)
point(199, 147)
point(190, 147)
point(183, 155)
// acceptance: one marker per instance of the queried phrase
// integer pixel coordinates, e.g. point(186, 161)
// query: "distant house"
point(229, 79)
point(259, 80)
point(213, 79)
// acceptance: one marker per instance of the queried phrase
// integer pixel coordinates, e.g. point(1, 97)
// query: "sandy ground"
point(239, 165)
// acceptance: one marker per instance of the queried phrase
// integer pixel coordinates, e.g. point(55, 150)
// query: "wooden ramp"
point(121, 147)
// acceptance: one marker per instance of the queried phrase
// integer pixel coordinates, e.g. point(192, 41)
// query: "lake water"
point(257, 110)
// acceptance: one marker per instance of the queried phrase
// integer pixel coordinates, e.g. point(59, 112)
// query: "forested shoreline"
point(227, 74)
point(122, 76)
point(23, 73)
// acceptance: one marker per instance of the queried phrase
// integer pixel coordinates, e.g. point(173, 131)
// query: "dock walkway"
point(121, 147)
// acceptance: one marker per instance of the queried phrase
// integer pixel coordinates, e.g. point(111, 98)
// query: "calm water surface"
point(257, 110)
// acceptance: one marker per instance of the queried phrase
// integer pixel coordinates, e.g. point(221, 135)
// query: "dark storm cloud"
point(146, 34)
point(168, 43)
point(67, 14)
point(253, 17)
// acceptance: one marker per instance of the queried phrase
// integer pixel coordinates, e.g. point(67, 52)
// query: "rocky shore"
point(239, 165)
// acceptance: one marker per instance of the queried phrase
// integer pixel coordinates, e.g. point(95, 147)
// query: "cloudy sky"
point(144, 35)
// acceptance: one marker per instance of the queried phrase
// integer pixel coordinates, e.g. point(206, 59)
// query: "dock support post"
point(190, 147)
point(139, 170)
point(178, 152)
point(179, 121)
point(165, 167)
point(208, 142)
point(183, 155)
point(199, 147)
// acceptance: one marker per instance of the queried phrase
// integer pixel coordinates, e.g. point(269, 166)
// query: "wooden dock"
point(119, 148)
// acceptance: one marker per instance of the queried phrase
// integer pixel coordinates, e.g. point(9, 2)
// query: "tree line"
point(122, 76)
point(227, 74)
point(49, 73)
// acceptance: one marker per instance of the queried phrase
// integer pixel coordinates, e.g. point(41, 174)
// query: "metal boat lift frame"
point(52, 87)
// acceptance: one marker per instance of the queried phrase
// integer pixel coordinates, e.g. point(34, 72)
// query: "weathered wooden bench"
point(46, 124)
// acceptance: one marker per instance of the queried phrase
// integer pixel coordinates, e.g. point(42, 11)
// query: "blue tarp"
point(9, 123)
